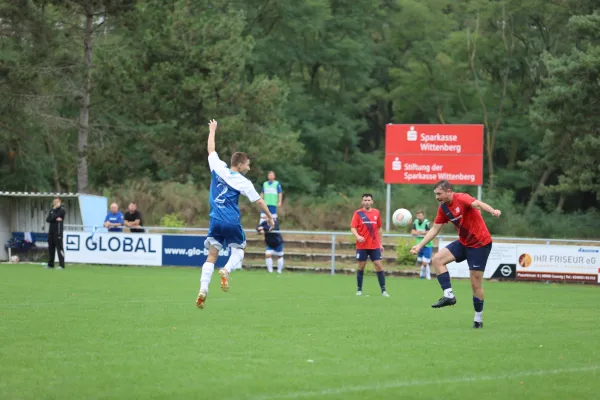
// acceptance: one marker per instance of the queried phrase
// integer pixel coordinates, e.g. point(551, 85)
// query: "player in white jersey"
point(225, 228)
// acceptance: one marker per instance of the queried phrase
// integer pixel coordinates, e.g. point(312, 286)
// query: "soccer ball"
point(14, 259)
point(401, 217)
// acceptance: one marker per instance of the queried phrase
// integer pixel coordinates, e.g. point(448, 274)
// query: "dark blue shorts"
point(476, 256)
point(373, 254)
point(222, 235)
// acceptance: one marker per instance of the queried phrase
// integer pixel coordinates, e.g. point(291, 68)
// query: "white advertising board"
point(113, 248)
point(558, 263)
point(501, 262)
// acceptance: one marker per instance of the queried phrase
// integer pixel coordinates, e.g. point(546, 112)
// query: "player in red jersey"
point(366, 227)
point(474, 243)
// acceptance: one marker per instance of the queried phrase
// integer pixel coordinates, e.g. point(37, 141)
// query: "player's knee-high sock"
point(478, 306)
point(444, 280)
point(269, 262)
point(422, 275)
point(279, 265)
point(381, 279)
point(428, 272)
point(359, 279)
point(207, 271)
point(235, 258)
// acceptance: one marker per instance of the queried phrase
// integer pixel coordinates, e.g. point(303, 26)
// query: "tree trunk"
point(84, 112)
point(55, 176)
point(561, 203)
point(490, 160)
point(538, 189)
point(513, 153)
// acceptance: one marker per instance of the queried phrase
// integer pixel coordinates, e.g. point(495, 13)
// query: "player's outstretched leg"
point(439, 262)
point(236, 257)
point(477, 286)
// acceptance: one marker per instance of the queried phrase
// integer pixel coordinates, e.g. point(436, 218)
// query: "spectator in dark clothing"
point(55, 218)
point(133, 219)
point(274, 243)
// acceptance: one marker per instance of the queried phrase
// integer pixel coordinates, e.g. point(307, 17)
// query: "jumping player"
point(225, 229)
point(474, 243)
point(366, 227)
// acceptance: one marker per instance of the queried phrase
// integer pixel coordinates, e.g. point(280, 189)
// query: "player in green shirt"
point(419, 229)
point(272, 194)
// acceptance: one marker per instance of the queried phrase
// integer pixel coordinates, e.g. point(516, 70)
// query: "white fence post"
point(332, 254)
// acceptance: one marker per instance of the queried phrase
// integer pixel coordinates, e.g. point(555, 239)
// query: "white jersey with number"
point(225, 189)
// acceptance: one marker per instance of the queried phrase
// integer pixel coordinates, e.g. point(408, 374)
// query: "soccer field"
point(92, 332)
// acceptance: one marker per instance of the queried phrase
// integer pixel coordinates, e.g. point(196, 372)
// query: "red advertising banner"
point(429, 169)
point(425, 154)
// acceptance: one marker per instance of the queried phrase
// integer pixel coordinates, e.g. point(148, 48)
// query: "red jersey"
point(472, 230)
point(367, 223)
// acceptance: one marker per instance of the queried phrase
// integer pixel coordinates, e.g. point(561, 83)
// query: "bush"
point(172, 221)
point(403, 256)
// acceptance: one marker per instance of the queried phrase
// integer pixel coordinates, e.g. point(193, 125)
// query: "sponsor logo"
point(505, 270)
point(525, 260)
point(191, 252)
point(582, 250)
point(397, 164)
point(457, 209)
point(111, 244)
point(73, 243)
point(412, 134)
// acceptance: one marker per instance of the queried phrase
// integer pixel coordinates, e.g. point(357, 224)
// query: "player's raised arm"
point(429, 236)
point(480, 205)
point(212, 126)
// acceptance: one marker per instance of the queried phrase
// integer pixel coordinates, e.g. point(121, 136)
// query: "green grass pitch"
point(92, 332)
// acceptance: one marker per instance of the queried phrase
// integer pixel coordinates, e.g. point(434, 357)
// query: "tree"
point(565, 111)
point(95, 13)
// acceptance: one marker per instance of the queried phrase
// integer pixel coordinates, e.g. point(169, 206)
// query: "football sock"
point(236, 257)
point(269, 262)
point(359, 279)
point(428, 272)
point(381, 279)
point(207, 271)
point(478, 306)
point(444, 280)
point(279, 265)
point(422, 275)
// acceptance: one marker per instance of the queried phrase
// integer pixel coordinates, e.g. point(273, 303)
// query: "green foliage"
point(306, 87)
point(172, 221)
point(403, 256)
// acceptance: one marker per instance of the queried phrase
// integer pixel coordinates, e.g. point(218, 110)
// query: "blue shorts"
point(425, 254)
point(222, 235)
point(277, 251)
point(373, 254)
point(476, 256)
point(272, 210)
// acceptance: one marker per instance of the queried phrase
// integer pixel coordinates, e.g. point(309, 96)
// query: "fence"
point(333, 235)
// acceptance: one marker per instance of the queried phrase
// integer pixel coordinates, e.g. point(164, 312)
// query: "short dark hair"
point(443, 184)
point(420, 212)
point(367, 195)
point(239, 158)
